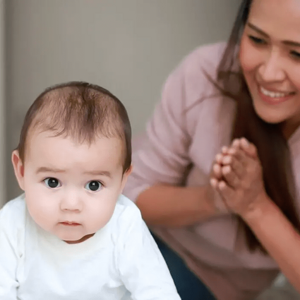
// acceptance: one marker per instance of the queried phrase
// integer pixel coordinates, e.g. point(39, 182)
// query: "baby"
point(72, 235)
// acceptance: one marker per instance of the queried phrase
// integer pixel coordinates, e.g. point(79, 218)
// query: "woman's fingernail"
point(245, 142)
point(213, 182)
point(218, 157)
point(224, 149)
point(235, 143)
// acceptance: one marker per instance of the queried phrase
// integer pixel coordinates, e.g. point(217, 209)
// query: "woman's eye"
point(257, 40)
point(93, 185)
point(52, 182)
point(295, 54)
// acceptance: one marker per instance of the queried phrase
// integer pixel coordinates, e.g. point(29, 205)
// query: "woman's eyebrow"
point(257, 29)
point(286, 42)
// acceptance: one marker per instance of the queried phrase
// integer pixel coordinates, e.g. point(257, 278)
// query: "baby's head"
point(73, 159)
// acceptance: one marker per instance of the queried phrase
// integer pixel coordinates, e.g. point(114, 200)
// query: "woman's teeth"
point(273, 94)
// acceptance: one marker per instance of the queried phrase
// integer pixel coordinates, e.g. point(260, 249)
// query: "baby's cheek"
point(40, 210)
point(98, 215)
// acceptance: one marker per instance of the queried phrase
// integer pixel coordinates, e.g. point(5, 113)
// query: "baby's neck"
point(86, 237)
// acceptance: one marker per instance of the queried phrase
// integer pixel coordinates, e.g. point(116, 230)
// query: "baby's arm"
point(140, 263)
point(8, 260)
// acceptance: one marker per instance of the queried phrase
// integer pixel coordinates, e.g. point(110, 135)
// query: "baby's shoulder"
point(13, 216)
point(126, 218)
point(14, 210)
point(126, 211)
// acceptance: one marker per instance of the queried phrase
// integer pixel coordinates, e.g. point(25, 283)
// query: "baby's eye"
point(93, 185)
point(52, 182)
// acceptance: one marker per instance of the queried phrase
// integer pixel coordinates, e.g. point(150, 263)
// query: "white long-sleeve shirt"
point(121, 261)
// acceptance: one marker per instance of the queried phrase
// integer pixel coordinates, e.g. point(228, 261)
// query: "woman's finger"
point(236, 143)
point(226, 192)
point(240, 155)
point(219, 203)
point(249, 148)
point(225, 150)
point(217, 171)
point(230, 177)
point(236, 165)
point(219, 158)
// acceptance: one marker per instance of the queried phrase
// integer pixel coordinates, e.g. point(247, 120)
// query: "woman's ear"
point(18, 168)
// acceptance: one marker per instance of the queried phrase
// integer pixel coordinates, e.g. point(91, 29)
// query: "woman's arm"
point(278, 236)
point(242, 189)
point(172, 206)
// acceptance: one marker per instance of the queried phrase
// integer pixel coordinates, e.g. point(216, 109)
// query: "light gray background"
point(2, 108)
point(127, 46)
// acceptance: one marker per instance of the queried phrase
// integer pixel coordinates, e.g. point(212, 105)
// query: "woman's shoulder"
point(192, 89)
point(196, 76)
point(205, 58)
point(207, 53)
point(203, 103)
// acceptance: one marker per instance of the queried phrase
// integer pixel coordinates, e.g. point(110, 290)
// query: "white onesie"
point(121, 261)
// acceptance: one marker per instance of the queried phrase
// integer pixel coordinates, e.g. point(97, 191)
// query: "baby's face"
point(71, 189)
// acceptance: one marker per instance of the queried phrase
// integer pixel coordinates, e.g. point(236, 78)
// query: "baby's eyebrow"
point(54, 170)
point(47, 170)
point(99, 173)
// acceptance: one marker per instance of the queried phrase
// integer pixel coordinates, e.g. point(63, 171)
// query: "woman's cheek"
point(246, 56)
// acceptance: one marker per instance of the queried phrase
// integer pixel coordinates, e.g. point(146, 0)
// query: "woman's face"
point(270, 60)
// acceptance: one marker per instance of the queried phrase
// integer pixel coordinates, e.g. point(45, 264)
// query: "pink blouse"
point(190, 125)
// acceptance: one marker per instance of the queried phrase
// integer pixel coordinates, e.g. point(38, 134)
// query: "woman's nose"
point(271, 69)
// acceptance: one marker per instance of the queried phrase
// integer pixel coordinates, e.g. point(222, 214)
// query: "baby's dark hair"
point(81, 111)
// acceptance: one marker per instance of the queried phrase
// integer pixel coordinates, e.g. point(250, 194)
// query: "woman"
point(247, 88)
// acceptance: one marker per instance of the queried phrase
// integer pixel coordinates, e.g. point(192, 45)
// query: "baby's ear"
point(18, 168)
point(125, 177)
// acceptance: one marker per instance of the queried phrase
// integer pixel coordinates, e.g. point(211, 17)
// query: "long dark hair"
point(272, 146)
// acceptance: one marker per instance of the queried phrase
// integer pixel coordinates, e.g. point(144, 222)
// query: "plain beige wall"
point(127, 46)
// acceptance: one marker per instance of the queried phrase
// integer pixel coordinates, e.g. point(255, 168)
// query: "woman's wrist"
point(215, 202)
point(257, 208)
point(174, 206)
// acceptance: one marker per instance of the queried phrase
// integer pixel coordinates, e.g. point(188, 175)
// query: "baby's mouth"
point(69, 223)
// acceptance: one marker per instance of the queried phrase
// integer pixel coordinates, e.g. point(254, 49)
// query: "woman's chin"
point(270, 119)
point(274, 117)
